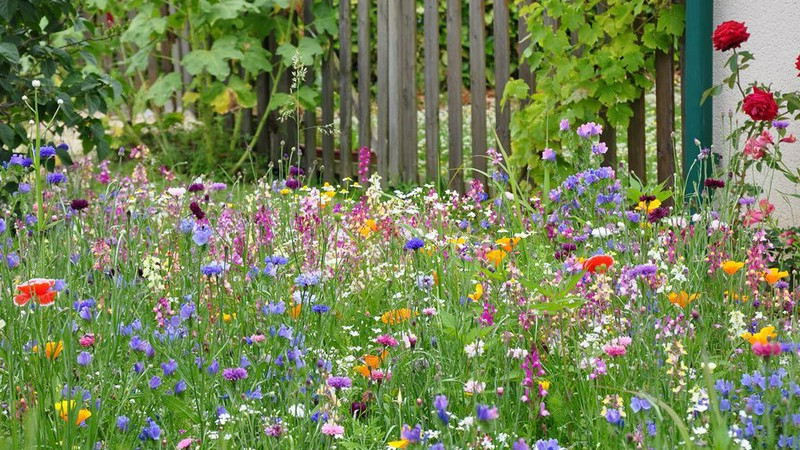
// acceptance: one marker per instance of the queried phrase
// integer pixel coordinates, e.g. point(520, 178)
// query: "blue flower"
point(639, 404)
point(56, 178)
point(414, 244)
point(155, 382)
point(3, 226)
point(613, 416)
point(84, 358)
point(307, 279)
point(123, 423)
point(186, 226)
point(320, 309)
point(169, 367)
point(150, 431)
point(202, 233)
point(19, 160)
point(46, 152)
point(550, 444)
point(180, 387)
point(212, 269)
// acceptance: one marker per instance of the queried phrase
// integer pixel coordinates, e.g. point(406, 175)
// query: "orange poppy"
point(773, 275)
point(598, 263)
point(682, 299)
point(51, 349)
point(508, 244)
point(396, 316)
point(731, 267)
point(496, 256)
point(294, 311)
point(40, 289)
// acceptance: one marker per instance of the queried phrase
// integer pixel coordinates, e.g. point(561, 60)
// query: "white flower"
point(474, 387)
point(60, 101)
point(602, 232)
point(474, 349)
point(36, 83)
point(176, 191)
point(297, 410)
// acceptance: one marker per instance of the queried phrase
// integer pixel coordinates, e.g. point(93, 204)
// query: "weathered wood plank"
point(637, 140)
point(502, 70)
point(364, 76)
point(327, 119)
point(665, 116)
point(455, 142)
point(382, 138)
point(477, 70)
point(408, 100)
point(395, 17)
point(432, 90)
point(609, 136)
point(345, 89)
point(309, 115)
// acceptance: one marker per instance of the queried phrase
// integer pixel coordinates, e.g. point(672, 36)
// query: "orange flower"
point(363, 370)
point(496, 256)
point(682, 299)
point(396, 316)
point(598, 263)
point(294, 311)
point(508, 244)
point(372, 361)
point(369, 227)
point(731, 267)
point(63, 408)
point(773, 275)
point(51, 349)
point(37, 288)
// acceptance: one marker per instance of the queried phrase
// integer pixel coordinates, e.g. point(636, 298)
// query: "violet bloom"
point(386, 340)
point(548, 154)
point(234, 374)
point(414, 244)
point(150, 431)
point(339, 382)
point(412, 435)
point(56, 178)
point(599, 148)
point(196, 187)
point(486, 413)
point(202, 233)
point(589, 129)
point(639, 404)
point(780, 124)
point(550, 444)
point(46, 152)
point(84, 358)
point(564, 125)
point(79, 204)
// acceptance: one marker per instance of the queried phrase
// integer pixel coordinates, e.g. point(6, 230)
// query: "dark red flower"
point(197, 211)
point(657, 214)
point(598, 263)
point(196, 187)
point(797, 64)
point(109, 20)
point(713, 183)
point(730, 34)
point(79, 204)
point(760, 105)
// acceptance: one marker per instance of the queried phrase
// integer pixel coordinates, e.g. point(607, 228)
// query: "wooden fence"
point(396, 100)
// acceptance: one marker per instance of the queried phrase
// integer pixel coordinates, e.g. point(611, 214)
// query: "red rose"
point(760, 105)
point(797, 64)
point(728, 35)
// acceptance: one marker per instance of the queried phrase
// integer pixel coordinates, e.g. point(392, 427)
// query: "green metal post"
point(697, 78)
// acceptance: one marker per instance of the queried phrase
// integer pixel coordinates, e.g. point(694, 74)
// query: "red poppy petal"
point(47, 298)
point(21, 299)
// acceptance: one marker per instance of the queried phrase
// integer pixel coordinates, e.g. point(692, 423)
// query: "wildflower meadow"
point(146, 307)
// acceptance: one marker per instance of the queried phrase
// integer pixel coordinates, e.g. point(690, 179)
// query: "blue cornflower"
point(56, 178)
point(320, 309)
point(123, 423)
point(150, 431)
point(307, 279)
point(613, 416)
point(278, 307)
point(414, 244)
point(213, 368)
point(155, 382)
point(212, 269)
point(550, 444)
point(3, 226)
point(724, 387)
point(440, 403)
point(187, 310)
point(186, 226)
point(84, 358)
point(180, 387)
point(486, 413)
point(255, 394)
point(169, 367)
point(201, 235)
point(46, 152)
point(276, 260)
point(19, 160)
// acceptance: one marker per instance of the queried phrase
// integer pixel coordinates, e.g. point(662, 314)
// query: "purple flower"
point(599, 148)
point(548, 154)
point(197, 211)
point(293, 183)
point(780, 124)
point(79, 204)
point(122, 423)
point(486, 413)
point(639, 404)
point(589, 129)
point(202, 233)
point(563, 125)
point(84, 358)
point(211, 270)
point(56, 178)
point(23, 188)
point(414, 244)
point(412, 435)
point(155, 382)
point(234, 374)
point(613, 416)
point(196, 187)
point(340, 382)
point(3, 226)
point(213, 368)
point(218, 186)
point(169, 367)
point(520, 445)
point(150, 431)
point(550, 444)
point(320, 309)
point(46, 152)
point(19, 160)
point(180, 387)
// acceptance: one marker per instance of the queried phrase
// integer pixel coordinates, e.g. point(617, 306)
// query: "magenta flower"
point(234, 374)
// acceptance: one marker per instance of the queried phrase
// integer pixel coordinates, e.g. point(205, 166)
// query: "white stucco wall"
point(775, 43)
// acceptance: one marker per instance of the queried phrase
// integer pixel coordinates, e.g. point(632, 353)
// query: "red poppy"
point(40, 289)
point(598, 263)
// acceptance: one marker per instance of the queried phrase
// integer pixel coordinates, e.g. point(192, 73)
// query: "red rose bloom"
point(760, 105)
point(730, 34)
point(797, 64)
point(598, 263)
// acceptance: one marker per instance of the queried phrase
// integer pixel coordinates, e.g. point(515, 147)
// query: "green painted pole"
point(697, 78)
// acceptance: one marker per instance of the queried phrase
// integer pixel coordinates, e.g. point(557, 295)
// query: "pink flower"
point(791, 139)
point(755, 147)
point(87, 340)
point(614, 350)
point(332, 429)
point(386, 340)
point(184, 443)
point(766, 350)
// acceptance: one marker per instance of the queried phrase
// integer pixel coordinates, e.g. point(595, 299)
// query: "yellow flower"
point(64, 407)
point(682, 299)
point(762, 337)
point(228, 318)
point(294, 311)
point(649, 206)
point(402, 443)
point(51, 349)
point(475, 296)
point(545, 385)
point(457, 241)
point(731, 267)
point(496, 256)
point(773, 275)
point(285, 191)
point(369, 227)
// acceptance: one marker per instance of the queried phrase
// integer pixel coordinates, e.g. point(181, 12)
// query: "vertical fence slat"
point(432, 90)
point(454, 109)
point(408, 102)
point(327, 117)
point(477, 70)
point(364, 79)
point(345, 90)
point(395, 80)
point(502, 70)
point(382, 142)
point(637, 140)
point(665, 116)
point(309, 115)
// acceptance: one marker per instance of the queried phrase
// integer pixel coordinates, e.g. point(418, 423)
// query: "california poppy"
point(731, 267)
point(51, 349)
point(682, 299)
point(598, 263)
point(40, 289)
point(475, 296)
point(63, 408)
point(496, 256)
point(762, 337)
point(773, 275)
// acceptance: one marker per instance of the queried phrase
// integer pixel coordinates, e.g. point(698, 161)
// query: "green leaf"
point(7, 136)
point(9, 52)
point(224, 10)
point(255, 59)
point(166, 85)
point(671, 20)
point(516, 90)
point(712, 91)
point(214, 61)
point(144, 27)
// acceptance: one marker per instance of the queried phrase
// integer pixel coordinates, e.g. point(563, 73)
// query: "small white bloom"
point(36, 83)
point(60, 101)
